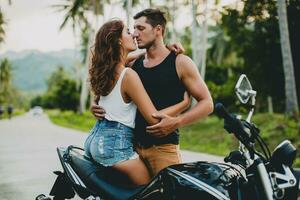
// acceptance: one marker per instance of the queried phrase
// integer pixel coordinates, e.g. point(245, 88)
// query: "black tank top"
point(165, 89)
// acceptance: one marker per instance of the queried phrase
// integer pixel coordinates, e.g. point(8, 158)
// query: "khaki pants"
point(159, 157)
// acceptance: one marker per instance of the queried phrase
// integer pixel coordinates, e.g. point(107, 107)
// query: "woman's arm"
point(133, 87)
point(178, 108)
point(131, 57)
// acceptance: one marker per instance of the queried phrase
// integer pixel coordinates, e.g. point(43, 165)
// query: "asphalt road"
point(28, 155)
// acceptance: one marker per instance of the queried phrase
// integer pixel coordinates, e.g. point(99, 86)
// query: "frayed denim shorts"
point(109, 143)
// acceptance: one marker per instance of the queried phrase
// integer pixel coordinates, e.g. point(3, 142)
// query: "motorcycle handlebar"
point(222, 112)
point(233, 125)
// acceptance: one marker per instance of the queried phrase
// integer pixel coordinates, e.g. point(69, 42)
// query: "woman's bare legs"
point(136, 170)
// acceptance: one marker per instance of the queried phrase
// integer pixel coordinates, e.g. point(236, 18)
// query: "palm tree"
point(77, 12)
point(173, 7)
point(5, 80)
point(195, 34)
point(291, 103)
point(128, 8)
point(128, 5)
point(2, 23)
point(203, 41)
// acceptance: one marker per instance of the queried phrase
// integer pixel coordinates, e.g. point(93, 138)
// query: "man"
point(165, 77)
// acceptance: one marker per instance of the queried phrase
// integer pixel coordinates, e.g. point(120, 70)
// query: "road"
point(28, 155)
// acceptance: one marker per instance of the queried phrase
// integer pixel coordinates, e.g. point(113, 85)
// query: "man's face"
point(144, 33)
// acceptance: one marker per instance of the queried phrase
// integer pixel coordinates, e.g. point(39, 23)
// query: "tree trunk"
point(270, 105)
point(203, 41)
point(84, 86)
point(174, 35)
point(291, 103)
point(194, 40)
point(128, 12)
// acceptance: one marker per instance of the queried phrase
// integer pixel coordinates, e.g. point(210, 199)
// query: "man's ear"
point(159, 29)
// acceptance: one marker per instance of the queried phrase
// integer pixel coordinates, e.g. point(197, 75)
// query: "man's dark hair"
point(154, 17)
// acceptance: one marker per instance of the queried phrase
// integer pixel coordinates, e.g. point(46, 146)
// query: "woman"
point(121, 92)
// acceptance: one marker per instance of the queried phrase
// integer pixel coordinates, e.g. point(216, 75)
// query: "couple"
point(141, 104)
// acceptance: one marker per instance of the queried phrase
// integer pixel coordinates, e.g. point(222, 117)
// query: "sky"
point(33, 24)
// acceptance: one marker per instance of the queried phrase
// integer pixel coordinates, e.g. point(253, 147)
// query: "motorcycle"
point(246, 174)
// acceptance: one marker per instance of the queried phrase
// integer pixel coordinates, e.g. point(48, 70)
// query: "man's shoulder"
point(181, 59)
point(184, 62)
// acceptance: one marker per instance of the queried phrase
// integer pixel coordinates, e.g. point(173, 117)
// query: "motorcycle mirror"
point(243, 89)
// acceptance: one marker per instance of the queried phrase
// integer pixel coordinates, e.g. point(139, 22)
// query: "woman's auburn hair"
point(106, 55)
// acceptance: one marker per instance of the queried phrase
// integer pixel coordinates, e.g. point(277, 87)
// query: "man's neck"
point(156, 51)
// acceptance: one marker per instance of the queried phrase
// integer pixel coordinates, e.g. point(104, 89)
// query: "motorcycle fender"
point(62, 187)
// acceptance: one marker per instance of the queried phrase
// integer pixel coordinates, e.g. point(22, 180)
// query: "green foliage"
point(16, 112)
point(253, 35)
point(207, 135)
point(70, 119)
point(62, 92)
point(221, 85)
point(186, 41)
point(2, 23)
point(5, 81)
point(7, 92)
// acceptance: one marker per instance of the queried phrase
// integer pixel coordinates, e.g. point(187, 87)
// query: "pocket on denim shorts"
point(123, 141)
point(105, 146)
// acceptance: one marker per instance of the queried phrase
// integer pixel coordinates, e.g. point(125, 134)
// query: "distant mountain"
point(31, 68)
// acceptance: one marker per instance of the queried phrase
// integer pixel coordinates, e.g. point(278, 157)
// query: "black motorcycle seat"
point(102, 180)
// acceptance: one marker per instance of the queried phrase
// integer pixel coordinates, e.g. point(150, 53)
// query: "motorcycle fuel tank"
point(198, 180)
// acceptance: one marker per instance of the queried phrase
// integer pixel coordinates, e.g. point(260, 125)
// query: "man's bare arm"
point(197, 88)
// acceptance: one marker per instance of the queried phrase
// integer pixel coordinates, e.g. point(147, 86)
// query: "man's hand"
point(97, 111)
point(176, 47)
point(166, 126)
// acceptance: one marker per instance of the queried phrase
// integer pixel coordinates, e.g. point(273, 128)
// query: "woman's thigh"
point(135, 169)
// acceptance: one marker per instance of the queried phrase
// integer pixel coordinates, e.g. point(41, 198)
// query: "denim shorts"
point(110, 142)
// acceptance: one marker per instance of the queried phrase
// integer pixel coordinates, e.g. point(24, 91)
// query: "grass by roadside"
point(16, 112)
point(73, 120)
point(208, 135)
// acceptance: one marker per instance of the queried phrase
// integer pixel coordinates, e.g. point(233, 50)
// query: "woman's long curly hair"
point(107, 54)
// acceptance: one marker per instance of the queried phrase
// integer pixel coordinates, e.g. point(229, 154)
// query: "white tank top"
point(115, 107)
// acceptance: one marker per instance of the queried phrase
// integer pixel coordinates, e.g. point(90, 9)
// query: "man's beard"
point(146, 46)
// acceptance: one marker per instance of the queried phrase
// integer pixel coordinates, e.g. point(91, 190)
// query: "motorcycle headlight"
point(284, 153)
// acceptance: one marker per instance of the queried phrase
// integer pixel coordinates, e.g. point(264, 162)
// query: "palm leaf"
point(2, 24)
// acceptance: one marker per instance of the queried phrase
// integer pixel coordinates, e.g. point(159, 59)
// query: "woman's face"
point(127, 40)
